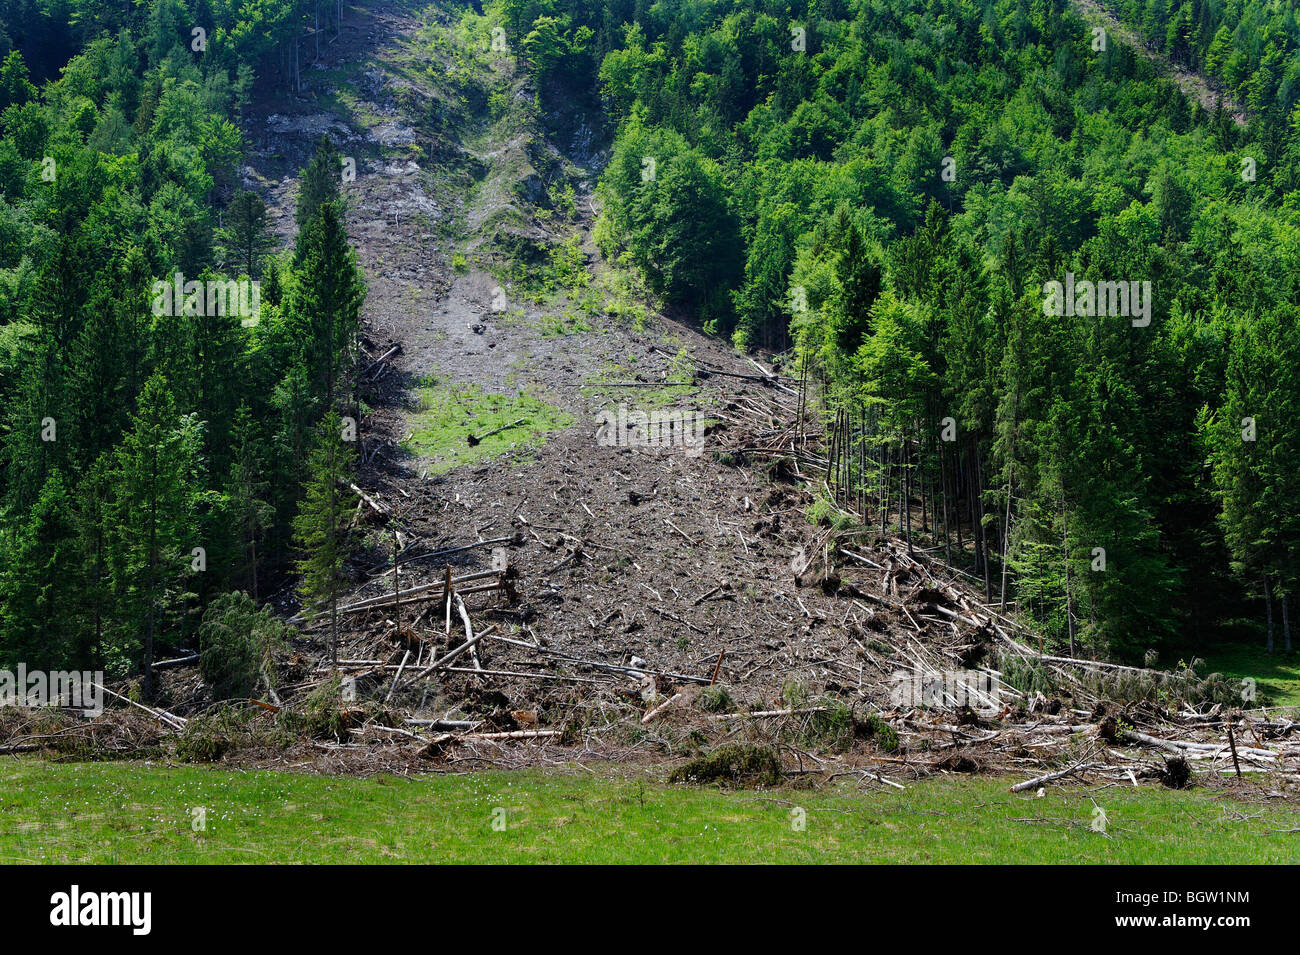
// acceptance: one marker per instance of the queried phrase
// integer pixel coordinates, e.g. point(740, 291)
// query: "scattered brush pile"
point(402, 697)
point(898, 673)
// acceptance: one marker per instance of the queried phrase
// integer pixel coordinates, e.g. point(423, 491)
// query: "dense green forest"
point(159, 424)
point(890, 187)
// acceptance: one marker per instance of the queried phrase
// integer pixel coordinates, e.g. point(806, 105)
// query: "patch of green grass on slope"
point(449, 414)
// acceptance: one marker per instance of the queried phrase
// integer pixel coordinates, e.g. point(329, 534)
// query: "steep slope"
point(662, 593)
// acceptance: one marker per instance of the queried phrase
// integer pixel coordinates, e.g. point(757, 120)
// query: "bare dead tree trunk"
point(956, 500)
point(830, 458)
point(943, 497)
point(1069, 600)
point(902, 484)
point(1286, 623)
point(1006, 536)
point(907, 492)
point(984, 544)
point(862, 466)
point(886, 476)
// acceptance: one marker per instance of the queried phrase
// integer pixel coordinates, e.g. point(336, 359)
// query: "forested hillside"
point(158, 421)
point(1055, 296)
point(1247, 48)
point(833, 400)
point(890, 188)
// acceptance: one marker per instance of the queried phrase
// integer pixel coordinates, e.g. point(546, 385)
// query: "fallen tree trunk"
point(423, 591)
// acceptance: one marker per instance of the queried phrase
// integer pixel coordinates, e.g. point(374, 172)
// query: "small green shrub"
point(876, 729)
point(735, 764)
point(1027, 676)
point(198, 745)
point(238, 640)
point(714, 699)
point(795, 694)
point(322, 716)
point(829, 728)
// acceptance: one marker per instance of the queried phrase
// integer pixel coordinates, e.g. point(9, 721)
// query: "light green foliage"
point(449, 414)
point(182, 435)
point(906, 182)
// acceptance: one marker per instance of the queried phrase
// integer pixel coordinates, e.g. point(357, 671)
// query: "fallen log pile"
point(933, 628)
point(910, 626)
point(862, 658)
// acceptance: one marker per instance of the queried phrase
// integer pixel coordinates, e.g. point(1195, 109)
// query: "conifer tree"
point(42, 588)
point(246, 493)
point(319, 185)
point(324, 307)
point(320, 528)
point(157, 477)
point(245, 237)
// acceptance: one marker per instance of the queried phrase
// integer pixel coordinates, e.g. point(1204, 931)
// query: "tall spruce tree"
point(42, 589)
point(324, 308)
point(319, 185)
point(157, 478)
point(320, 528)
point(245, 236)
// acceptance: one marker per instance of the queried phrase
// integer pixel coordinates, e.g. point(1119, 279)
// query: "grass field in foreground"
point(131, 812)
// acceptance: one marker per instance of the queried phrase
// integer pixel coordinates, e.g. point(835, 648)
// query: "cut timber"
point(376, 506)
point(651, 714)
point(383, 358)
point(475, 440)
point(560, 677)
point(768, 713)
point(170, 719)
point(1039, 780)
point(424, 591)
point(445, 724)
point(469, 630)
point(397, 678)
point(456, 550)
point(608, 667)
point(1185, 747)
point(717, 667)
point(515, 734)
point(446, 659)
point(673, 616)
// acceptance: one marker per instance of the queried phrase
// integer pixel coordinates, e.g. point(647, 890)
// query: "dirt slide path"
point(619, 544)
point(1192, 84)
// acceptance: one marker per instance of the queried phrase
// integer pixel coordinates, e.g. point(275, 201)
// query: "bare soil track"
point(621, 547)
